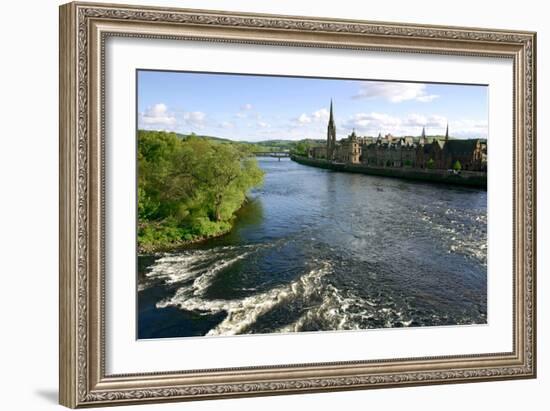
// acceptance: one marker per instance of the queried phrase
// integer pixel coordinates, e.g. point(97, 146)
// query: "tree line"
point(189, 188)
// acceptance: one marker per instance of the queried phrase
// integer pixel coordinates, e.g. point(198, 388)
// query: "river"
point(317, 250)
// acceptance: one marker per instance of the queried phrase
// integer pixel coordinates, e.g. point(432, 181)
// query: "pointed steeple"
point(331, 135)
point(423, 132)
point(447, 133)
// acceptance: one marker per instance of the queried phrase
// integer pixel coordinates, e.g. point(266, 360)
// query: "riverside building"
point(403, 152)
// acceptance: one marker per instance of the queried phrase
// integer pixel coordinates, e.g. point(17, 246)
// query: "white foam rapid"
point(463, 231)
point(324, 303)
point(241, 313)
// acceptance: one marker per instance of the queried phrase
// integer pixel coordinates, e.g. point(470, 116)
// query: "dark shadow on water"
point(251, 213)
point(50, 395)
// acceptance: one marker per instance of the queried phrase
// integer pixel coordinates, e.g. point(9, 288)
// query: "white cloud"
point(367, 122)
point(158, 115)
point(412, 124)
point(319, 116)
point(306, 125)
point(418, 120)
point(246, 111)
point(469, 128)
point(427, 98)
point(437, 121)
point(262, 124)
point(395, 92)
point(194, 118)
point(304, 119)
point(374, 123)
point(227, 125)
point(161, 117)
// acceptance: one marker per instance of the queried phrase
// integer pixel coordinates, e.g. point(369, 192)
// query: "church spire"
point(331, 135)
point(423, 132)
point(447, 133)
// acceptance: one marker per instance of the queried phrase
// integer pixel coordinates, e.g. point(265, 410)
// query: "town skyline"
point(250, 107)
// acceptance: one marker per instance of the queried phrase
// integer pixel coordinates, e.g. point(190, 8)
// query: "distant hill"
point(285, 142)
point(266, 145)
point(286, 145)
point(212, 138)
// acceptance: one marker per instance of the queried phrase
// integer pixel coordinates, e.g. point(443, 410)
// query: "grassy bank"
point(465, 178)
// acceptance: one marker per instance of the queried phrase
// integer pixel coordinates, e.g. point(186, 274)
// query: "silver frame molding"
point(84, 27)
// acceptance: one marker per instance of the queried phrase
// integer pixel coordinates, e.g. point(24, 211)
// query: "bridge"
point(275, 154)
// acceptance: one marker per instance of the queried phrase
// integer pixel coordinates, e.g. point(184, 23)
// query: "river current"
point(318, 250)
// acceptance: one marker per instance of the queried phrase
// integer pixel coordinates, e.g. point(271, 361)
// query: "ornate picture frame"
point(84, 29)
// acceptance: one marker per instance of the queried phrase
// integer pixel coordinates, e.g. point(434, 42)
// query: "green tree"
point(224, 176)
point(430, 164)
point(302, 148)
point(457, 166)
point(190, 187)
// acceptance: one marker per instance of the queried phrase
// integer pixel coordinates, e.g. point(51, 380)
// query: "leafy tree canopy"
point(189, 187)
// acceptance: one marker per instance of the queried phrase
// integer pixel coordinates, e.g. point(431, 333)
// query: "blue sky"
point(255, 108)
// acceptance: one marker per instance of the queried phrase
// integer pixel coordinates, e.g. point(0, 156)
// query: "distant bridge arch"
point(274, 154)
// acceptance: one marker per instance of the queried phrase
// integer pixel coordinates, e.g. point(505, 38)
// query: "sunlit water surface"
point(317, 250)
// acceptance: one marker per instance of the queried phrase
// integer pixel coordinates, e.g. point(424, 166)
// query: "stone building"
point(349, 150)
point(430, 154)
point(471, 154)
point(318, 152)
point(389, 151)
point(410, 152)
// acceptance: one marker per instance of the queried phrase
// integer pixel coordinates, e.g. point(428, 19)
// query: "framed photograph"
point(260, 204)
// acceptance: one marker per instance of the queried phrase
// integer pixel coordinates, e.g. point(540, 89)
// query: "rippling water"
point(318, 250)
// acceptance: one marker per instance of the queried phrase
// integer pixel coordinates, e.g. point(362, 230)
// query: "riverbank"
point(178, 244)
point(465, 178)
